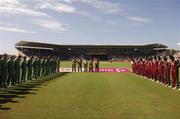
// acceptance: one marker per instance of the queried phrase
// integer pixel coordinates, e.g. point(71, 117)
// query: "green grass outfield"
point(90, 96)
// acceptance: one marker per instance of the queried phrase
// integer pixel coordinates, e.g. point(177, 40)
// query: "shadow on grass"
point(21, 90)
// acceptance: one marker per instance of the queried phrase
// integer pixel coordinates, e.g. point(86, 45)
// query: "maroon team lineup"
point(163, 70)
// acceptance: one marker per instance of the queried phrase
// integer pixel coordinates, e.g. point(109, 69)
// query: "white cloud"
point(16, 7)
point(67, 1)
point(4, 26)
point(106, 7)
point(20, 11)
point(51, 24)
point(2, 23)
point(26, 8)
point(140, 19)
point(59, 7)
point(103, 6)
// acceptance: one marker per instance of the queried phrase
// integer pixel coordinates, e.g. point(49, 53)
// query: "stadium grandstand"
point(103, 52)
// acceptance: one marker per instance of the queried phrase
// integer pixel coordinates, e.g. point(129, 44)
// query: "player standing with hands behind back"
point(91, 65)
point(173, 72)
point(85, 63)
point(74, 64)
point(97, 65)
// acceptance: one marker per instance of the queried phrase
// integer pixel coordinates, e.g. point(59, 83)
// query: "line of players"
point(78, 64)
point(17, 69)
point(161, 69)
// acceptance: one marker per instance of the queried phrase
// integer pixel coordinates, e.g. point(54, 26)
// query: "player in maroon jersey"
point(135, 66)
point(160, 76)
point(146, 67)
point(162, 67)
point(155, 65)
point(138, 67)
point(151, 68)
point(143, 68)
point(166, 72)
point(173, 71)
point(178, 66)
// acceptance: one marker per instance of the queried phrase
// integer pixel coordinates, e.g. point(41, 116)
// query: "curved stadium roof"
point(46, 45)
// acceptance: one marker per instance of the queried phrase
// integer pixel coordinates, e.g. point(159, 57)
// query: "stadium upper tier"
point(100, 51)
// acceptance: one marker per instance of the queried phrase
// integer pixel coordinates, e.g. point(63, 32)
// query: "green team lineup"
point(89, 59)
point(15, 70)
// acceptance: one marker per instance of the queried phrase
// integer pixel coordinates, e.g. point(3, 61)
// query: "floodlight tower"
point(178, 43)
point(178, 47)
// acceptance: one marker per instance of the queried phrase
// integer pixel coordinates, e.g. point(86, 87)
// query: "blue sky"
point(89, 22)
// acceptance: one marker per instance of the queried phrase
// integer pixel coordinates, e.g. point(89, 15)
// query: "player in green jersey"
point(29, 68)
point(23, 69)
point(17, 69)
point(11, 71)
point(4, 70)
point(0, 73)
